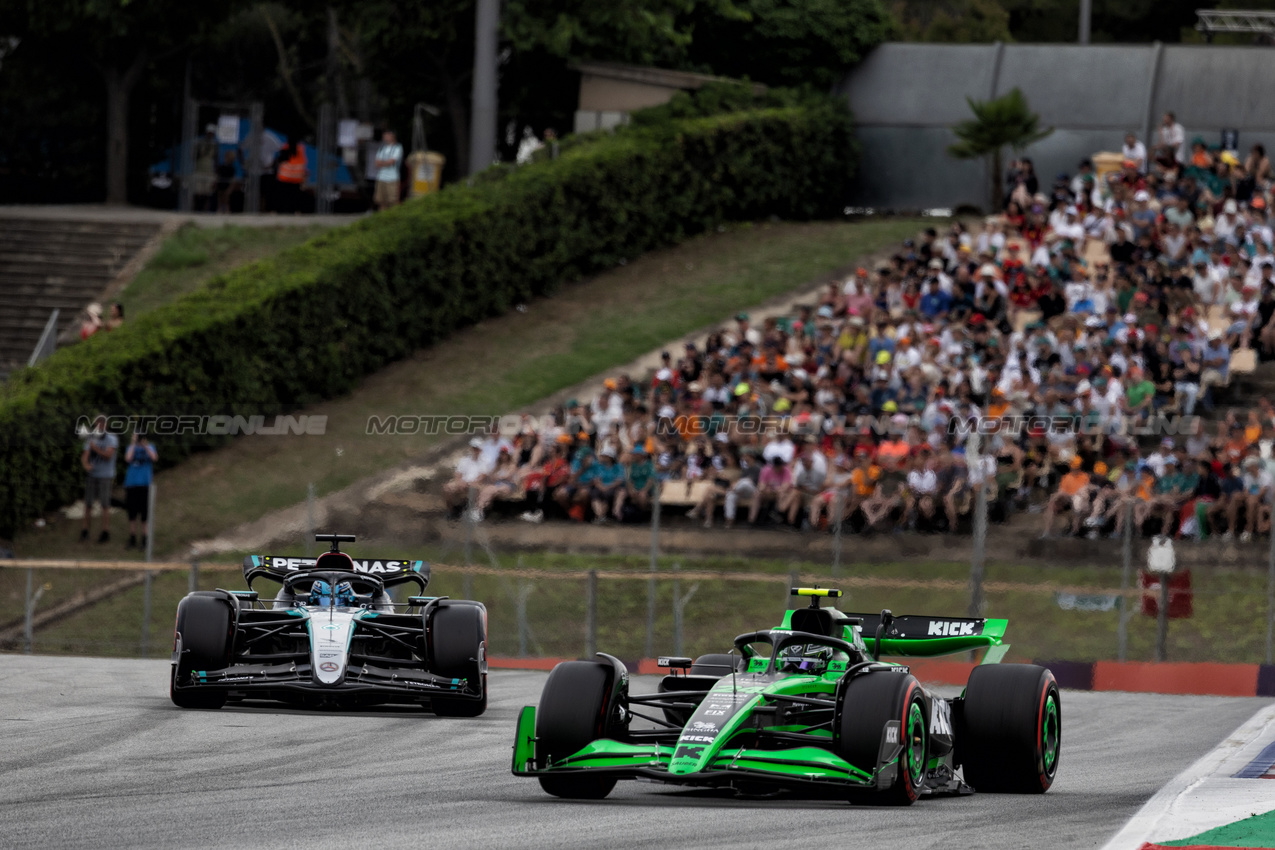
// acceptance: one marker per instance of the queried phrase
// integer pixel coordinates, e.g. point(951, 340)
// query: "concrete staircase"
point(49, 263)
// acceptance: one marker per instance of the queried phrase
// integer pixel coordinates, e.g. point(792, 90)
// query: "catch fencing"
point(1082, 613)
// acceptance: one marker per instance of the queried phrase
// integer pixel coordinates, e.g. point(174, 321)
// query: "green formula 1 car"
point(807, 704)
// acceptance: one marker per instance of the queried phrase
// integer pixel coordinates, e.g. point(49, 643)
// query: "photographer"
point(140, 457)
point(98, 461)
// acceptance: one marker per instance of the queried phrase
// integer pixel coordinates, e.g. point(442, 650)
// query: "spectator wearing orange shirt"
point(1072, 494)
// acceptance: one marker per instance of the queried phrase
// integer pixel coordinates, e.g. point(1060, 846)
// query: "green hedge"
point(311, 322)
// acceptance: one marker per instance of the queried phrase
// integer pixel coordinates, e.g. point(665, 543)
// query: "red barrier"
point(524, 663)
point(1232, 680)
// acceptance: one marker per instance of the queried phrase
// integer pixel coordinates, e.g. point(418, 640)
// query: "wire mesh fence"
point(558, 606)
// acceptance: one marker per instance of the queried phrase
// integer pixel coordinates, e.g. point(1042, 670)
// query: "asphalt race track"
point(93, 754)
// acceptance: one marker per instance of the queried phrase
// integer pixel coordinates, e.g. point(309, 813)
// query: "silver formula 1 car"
point(332, 637)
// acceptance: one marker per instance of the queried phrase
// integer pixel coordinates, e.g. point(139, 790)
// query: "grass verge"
point(493, 367)
point(194, 255)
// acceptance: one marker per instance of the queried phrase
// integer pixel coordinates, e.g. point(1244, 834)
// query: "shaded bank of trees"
point(91, 91)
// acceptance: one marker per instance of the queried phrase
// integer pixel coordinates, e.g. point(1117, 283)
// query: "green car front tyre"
point(574, 712)
point(577, 787)
point(867, 704)
point(1010, 734)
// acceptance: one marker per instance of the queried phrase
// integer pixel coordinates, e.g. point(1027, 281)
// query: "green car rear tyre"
point(573, 712)
point(867, 704)
point(1010, 733)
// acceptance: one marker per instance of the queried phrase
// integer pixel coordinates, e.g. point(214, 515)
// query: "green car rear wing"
point(921, 636)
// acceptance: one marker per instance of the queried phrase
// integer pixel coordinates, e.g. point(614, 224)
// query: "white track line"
point(1204, 796)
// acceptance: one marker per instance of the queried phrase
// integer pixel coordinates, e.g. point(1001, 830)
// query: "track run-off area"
point(95, 755)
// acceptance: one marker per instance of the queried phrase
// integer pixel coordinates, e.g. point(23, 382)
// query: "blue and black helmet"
point(321, 595)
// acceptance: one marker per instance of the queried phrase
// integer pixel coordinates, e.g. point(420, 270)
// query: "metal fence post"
point(975, 463)
point(838, 505)
point(28, 623)
point(677, 610)
point(1126, 575)
point(591, 616)
point(146, 613)
point(150, 520)
point(655, 556)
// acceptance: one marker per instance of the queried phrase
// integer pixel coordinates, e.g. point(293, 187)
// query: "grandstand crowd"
point(1089, 334)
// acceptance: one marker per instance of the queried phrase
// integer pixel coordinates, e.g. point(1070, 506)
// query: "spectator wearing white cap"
point(1071, 229)
point(1143, 216)
point(470, 473)
point(1224, 225)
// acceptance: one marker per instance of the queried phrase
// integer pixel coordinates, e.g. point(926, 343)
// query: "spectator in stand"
point(138, 475)
point(607, 487)
point(1224, 508)
point(471, 471)
point(500, 482)
point(639, 483)
point(114, 318)
point(552, 474)
point(922, 490)
point(1170, 141)
point(836, 500)
point(1255, 494)
point(574, 494)
point(1073, 494)
point(98, 460)
point(889, 494)
point(1135, 152)
point(773, 484)
point(808, 476)
point(92, 321)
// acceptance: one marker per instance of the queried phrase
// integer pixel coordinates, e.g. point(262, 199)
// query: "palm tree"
point(1005, 120)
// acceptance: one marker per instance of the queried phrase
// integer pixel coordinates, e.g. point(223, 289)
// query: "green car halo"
point(807, 704)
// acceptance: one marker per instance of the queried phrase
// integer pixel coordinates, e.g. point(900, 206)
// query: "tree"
point(951, 21)
point(787, 42)
point(1006, 120)
point(116, 40)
